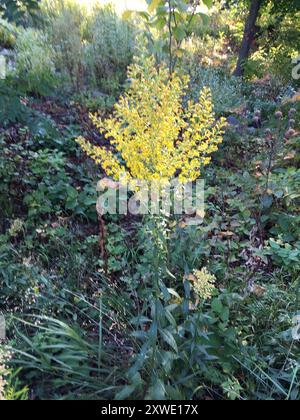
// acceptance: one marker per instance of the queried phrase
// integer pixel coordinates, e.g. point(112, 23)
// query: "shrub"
point(12, 110)
point(276, 61)
point(7, 34)
point(91, 50)
point(154, 136)
point(35, 62)
point(65, 21)
point(226, 90)
point(109, 50)
point(19, 11)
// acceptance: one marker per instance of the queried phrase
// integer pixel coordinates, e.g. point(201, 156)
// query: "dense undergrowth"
point(171, 311)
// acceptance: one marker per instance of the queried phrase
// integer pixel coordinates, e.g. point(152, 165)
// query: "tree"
point(15, 10)
point(249, 35)
point(279, 9)
point(174, 21)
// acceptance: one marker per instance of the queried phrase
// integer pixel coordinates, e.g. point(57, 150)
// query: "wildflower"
point(152, 134)
point(290, 133)
point(203, 283)
point(268, 132)
point(257, 122)
point(15, 228)
point(292, 112)
point(278, 115)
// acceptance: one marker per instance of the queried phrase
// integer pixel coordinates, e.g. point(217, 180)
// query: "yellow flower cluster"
point(154, 134)
point(203, 283)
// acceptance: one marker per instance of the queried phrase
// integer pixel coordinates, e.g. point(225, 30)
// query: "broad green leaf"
point(179, 34)
point(217, 306)
point(205, 18)
point(208, 3)
point(159, 24)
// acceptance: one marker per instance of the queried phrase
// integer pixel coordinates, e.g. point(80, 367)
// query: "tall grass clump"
point(35, 67)
point(109, 49)
point(92, 47)
point(64, 24)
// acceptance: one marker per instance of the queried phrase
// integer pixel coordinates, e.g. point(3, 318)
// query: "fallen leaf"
point(226, 234)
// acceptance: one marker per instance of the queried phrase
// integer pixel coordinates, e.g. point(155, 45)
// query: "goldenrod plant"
point(154, 134)
point(203, 283)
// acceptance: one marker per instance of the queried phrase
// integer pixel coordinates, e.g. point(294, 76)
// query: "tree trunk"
point(249, 35)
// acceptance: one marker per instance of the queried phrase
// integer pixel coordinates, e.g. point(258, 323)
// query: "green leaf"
point(144, 15)
point(217, 306)
point(153, 5)
point(159, 24)
point(179, 33)
point(208, 3)
point(157, 391)
point(267, 201)
point(168, 337)
point(205, 18)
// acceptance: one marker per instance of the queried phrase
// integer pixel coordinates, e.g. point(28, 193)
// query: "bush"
point(109, 50)
point(147, 124)
point(64, 24)
point(276, 62)
point(12, 109)
point(226, 90)
point(91, 50)
point(35, 62)
point(7, 34)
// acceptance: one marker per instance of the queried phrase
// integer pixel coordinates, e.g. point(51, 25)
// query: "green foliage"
point(64, 24)
point(67, 356)
point(92, 51)
point(278, 61)
point(7, 34)
point(227, 91)
point(284, 254)
point(16, 10)
point(109, 49)
point(174, 21)
point(11, 107)
point(10, 389)
point(34, 62)
point(278, 41)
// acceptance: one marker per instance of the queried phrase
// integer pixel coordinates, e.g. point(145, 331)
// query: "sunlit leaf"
point(153, 5)
point(208, 3)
